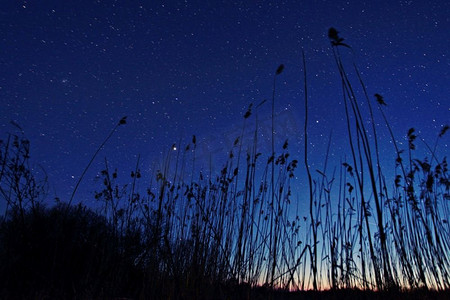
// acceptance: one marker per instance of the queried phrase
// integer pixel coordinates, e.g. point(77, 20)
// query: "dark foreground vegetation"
point(238, 233)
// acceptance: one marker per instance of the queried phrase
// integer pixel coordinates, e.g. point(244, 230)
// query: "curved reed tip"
point(123, 121)
point(333, 34)
point(280, 69)
point(444, 130)
point(380, 99)
point(249, 111)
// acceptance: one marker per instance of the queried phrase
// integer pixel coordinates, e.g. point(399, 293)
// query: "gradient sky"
point(69, 70)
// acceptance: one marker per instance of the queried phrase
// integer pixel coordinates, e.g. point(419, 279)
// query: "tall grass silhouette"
point(238, 232)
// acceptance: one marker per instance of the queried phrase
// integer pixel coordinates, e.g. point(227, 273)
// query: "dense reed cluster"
point(238, 232)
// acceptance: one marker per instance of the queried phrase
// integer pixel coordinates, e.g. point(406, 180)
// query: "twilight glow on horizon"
point(216, 96)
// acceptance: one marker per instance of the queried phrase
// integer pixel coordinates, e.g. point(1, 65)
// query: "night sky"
point(71, 69)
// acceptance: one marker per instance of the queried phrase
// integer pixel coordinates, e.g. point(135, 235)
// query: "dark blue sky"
point(71, 69)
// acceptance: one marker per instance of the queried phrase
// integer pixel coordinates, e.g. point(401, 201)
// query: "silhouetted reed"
point(237, 232)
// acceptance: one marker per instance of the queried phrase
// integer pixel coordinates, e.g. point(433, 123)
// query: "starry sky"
point(69, 70)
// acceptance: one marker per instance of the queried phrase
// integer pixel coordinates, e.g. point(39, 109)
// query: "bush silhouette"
point(63, 252)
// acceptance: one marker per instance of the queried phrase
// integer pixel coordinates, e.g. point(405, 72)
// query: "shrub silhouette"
point(63, 252)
